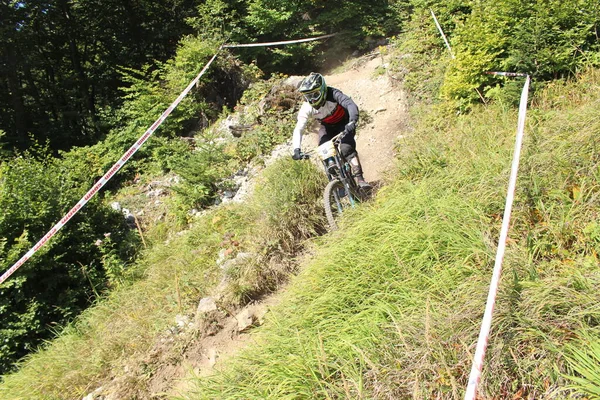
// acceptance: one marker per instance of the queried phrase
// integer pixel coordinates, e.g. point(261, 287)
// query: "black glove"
point(296, 155)
point(351, 126)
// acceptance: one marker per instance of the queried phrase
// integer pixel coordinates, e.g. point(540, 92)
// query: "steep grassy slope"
point(390, 306)
point(117, 338)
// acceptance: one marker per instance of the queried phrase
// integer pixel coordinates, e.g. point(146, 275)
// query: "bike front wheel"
point(335, 199)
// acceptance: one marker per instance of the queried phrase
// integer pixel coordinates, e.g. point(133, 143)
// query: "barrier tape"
point(486, 323)
point(102, 181)
point(279, 43)
point(117, 166)
point(506, 73)
point(442, 33)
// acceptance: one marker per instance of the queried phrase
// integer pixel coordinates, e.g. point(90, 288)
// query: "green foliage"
point(200, 172)
point(4, 151)
point(149, 92)
point(584, 357)
point(125, 324)
point(152, 90)
point(218, 18)
point(546, 39)
point(60, 80)
point(360, 21)
point(419, 57)
point(121, 328)
point(64, 276)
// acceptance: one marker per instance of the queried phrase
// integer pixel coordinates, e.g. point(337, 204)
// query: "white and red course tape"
point(102, 181)
point(119, 164)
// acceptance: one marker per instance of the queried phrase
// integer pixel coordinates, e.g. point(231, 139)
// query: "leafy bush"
point(66, 275)
point(545, 39)
point(200, 172)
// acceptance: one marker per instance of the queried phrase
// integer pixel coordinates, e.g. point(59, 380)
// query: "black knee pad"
point(349, 152)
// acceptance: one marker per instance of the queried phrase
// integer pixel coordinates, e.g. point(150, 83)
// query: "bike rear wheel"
point(336, 199)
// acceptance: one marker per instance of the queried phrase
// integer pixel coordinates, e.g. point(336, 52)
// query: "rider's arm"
point(346, 102)
point(305, 112)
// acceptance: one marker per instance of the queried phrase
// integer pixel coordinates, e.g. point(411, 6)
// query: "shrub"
point(64, 276)
point(545, 39)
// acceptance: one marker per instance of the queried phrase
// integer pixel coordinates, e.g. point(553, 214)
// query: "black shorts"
point(330, 132)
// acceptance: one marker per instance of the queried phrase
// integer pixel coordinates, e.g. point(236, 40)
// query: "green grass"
point(390, 306)
point(121, 330)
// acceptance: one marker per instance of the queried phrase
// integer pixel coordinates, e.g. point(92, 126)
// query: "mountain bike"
point(342, 191)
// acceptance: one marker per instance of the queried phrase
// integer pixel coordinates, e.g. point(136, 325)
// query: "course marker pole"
point(486, 323)
point(442, 33)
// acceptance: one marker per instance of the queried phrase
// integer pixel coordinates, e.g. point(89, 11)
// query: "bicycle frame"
point(337, 167)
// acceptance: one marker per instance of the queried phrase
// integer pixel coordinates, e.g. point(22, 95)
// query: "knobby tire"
point(331, 200)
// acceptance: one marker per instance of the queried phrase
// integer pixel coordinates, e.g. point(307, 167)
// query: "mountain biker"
point(336, 112)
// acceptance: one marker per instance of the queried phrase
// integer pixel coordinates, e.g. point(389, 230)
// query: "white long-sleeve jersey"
point(338, 110)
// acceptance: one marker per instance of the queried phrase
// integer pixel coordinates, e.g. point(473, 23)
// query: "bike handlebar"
point(336, 139)
point(339, 136)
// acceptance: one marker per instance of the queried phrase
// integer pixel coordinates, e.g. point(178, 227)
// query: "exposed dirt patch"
point(210, 353)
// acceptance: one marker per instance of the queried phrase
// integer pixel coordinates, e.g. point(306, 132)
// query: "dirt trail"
point(383, 112)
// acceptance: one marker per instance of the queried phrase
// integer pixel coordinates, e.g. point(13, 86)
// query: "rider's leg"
point(349, 152)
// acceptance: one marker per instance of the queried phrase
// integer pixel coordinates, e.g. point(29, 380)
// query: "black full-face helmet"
point(314, 89)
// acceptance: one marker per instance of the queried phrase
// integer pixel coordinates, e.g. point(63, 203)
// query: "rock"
point(129, 218)
point(229, 194)
point(221, 257)
point(241, 258)
point(211, 354)
point(115, 205)
point(156, 192)
point(245, 319)
point(260, 311)
point(206, 305)
point(96, 394)
point(182, 321)
point(293, 80)
point(222, 289)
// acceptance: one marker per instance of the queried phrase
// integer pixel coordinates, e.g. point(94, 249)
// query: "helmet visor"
point(313, 97)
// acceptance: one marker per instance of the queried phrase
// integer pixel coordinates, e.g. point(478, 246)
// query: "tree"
point(60, 74)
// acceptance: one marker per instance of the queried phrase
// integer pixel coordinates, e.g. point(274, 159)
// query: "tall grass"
point(119, 332)
point(390, 306)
